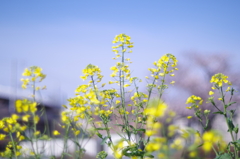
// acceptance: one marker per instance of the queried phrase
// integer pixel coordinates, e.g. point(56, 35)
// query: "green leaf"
point(99, 135)
point(120, 125)
point(104, 140)
point(237, 144)
point(77, 143)
point(140, 130)
point(131, 127)
point(101, 128)
point(224, 156)
point(199, 145)
point(235, 129)
point(128, 151)
point(219, 112)
point(232, 112)
point(229, 104)
point(232, 90)
point(230, 123)
point(150, 156)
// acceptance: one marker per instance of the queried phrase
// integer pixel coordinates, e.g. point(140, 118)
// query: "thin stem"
point(34, 123)
point(65, 141)
point(122, 91)
point(215, 150)
point(226, 119)
point(14, 146)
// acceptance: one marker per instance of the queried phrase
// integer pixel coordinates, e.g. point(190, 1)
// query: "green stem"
point(122, 91)
point(65, 141)
point(108, 133)
point(215, 150)
point(226, 119)
point(163, 80)
point(13, 144)
point(138, 109)
point(106, 126)
point(34, 123)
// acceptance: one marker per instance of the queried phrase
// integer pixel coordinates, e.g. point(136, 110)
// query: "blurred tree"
point(193, 78)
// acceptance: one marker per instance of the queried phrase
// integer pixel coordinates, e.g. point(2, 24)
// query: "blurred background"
point(63, 37)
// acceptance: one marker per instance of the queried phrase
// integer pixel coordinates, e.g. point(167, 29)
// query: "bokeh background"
point(63, 37)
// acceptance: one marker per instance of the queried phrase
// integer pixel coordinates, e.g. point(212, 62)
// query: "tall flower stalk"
point(132, 120)
point(223, 87)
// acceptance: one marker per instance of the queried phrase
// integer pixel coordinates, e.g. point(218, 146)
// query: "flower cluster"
point(90, 71)
point(15, 126)
point(26, 106)
point(34, 74)
point(211, 138)
point(156, 109)
point(10, 126)
point(195, 101)
point(219, 79)
point(121, 69)
point(165, 65)
point(99, 107)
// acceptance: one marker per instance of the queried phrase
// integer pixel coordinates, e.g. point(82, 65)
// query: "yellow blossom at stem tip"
point(55, 133)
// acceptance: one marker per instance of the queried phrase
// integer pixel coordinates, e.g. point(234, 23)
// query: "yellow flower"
point(193, 99)
point(156, 109)
point(36, 119)
point(26, 117)
point(27, 72)
point(19, 147)
point(2, 136)
point(38, 71)
point(118, 154)
point(15, 116)
point(18, 153)
point(36, 133)
point(1, 124)
point(118, 101)
point(76, 132)
point(21, 137)
point(157, 125)
point(207, 146)
point(211, 93)
point(153, 146)
point(23, 128)
point(161, 155)
point(177, 144)
point(55, 133)
point(193, 154)
point(228, 89)
point(219, 79)
point(149, 132)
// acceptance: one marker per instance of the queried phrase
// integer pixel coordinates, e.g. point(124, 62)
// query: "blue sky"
point(63, 37)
